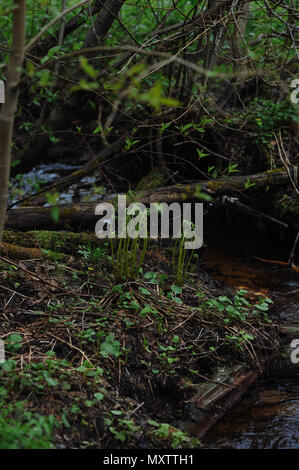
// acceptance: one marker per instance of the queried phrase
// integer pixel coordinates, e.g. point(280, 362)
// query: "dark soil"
point(110, 363)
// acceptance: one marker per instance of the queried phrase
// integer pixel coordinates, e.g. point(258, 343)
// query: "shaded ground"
point(97, 362)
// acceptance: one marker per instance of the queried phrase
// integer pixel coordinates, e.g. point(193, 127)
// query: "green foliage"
point(92, 253)
point(130, 143)
point(180, 260)
point(52, 200)
point(13, 343)
point(175, 292)
point(232, 168)
point(22, 429)
point(154, 97)
point(121, 428)
point(155, 278)
point(263, 116)
point(201, 154)
point(179, 439)
point(240, 339)
point(248, 184)
point(128, 257)
point(238, 308)
point(128, 253)
point(110, 347)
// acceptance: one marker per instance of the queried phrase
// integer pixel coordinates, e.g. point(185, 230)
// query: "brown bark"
point(209, 406)
point(11, 99)
point(103, 22)
point(20, 252)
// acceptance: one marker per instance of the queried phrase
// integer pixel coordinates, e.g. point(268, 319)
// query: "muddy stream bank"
point(268, 415)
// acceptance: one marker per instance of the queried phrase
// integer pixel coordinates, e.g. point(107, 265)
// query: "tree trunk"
point(42, 46)
point(103, 22)
point(11, 99)
point(69, 102)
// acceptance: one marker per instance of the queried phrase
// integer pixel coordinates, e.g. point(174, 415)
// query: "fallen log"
point(218, 187)
point(36, 244)
point(82, 216)
point(213, 400)
point(20, 252)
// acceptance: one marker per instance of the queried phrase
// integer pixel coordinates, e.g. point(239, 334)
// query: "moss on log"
point(82, 216)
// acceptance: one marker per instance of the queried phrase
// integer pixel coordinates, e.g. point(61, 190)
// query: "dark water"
point(268, 416)
point(89, 189)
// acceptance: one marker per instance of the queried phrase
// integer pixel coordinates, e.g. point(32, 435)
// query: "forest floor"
point(98, 362)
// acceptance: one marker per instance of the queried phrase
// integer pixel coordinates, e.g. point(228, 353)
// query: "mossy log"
point(20, 252)
point(82, 216)
point(20, 245)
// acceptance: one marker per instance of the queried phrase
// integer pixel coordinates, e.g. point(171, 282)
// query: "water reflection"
point(267, 420)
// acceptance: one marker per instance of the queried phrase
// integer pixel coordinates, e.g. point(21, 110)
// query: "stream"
point(90, 188)
point(267, 417)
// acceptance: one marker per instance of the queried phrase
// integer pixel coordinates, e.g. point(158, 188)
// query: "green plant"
point(13, 343)
point(179, 439)
point(128, 253)
point(166, 354)
point(201, 154)
point(52, 199)
point(155, 278)
point(248, 184)
point(238, 308)
point(91, 253)
point(180, 262)
point(175, 292)
point(130, 143)
point(21, 429)
point(119, 427)
point(232, 168)
point(110, 347)
point(240, 339)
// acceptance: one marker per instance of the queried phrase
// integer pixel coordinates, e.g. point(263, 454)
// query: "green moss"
point(53, 255)
point(154, 179)
point(62, 242)
point(4, 266)
point(18, 238)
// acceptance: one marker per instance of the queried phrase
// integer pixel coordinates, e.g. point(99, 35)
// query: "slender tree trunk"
point(11, 99)
point(103, 22)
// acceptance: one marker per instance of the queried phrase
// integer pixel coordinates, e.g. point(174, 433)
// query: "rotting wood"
point(291, 331)
point(208, 393)
point(243, 380)
point(20, 252)
point(212, 400)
